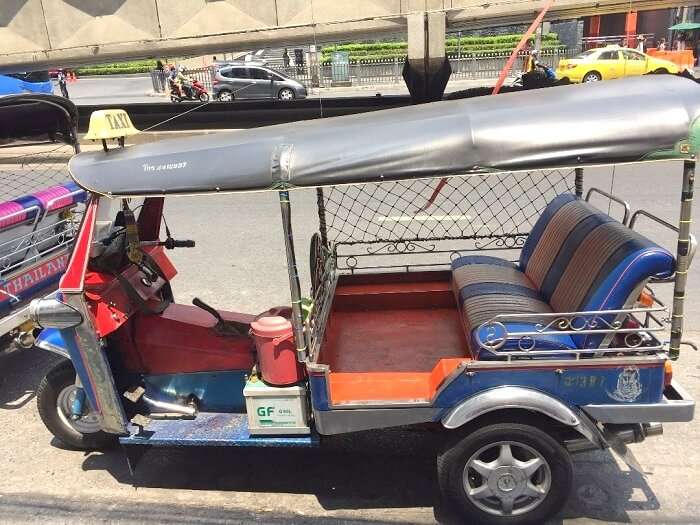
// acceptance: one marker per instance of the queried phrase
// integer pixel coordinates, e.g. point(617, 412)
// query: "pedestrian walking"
point(63, 83)
point(640, 44)
point(285, 58)
point(661, 46)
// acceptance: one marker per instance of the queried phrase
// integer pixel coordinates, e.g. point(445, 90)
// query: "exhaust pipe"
point(627, 434)
point(169, 410)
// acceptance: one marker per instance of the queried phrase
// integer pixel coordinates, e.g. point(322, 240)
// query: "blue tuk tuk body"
point(462, 284)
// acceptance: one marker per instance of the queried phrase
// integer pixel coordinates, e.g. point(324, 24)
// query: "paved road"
point(368, 478)
point(128, 90)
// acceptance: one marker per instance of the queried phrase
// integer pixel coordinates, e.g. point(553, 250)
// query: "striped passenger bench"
point(575, 259)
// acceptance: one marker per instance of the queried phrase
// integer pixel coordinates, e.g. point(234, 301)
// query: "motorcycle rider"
point(181, 81)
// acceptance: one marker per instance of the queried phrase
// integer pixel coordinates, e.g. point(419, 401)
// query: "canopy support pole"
point(578, 182)
point(294, 286)
point(321, 205)
point(690, 167)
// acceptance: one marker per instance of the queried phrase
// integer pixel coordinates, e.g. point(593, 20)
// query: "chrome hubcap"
point(507, 478)
point(591, 78)
point(286, 95)
point(88, 423)
point(225, 97)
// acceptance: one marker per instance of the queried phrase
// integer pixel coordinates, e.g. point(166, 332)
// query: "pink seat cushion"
point(11, 213)
point(54, 198)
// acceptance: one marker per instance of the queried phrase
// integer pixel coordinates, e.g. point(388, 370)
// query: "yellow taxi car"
point(611, 62)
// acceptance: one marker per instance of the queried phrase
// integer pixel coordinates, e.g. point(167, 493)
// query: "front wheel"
point(204, 96)
point(55, 397)
point(286, 94)
point(506, 474)
point(593, 76)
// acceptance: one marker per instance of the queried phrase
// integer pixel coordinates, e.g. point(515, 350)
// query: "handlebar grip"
point(172, 243)
point(183, 244)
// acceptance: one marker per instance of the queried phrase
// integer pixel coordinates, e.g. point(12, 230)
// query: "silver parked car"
point(252, 81)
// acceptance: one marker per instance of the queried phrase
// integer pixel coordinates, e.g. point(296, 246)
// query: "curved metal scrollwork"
point(400, 247)
point(504, 242)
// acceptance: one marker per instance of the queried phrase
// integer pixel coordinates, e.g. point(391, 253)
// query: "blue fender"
point(63, 343)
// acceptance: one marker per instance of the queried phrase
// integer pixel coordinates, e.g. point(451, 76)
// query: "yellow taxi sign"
point(110, 124)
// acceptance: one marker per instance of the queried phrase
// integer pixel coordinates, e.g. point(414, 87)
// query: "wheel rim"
point(204, 97)
point(87, 424)
point(286, 94)
point(225, 96)
point(591, 78)
point(507, 478)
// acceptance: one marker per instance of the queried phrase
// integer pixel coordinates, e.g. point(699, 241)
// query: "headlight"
point(52, 313)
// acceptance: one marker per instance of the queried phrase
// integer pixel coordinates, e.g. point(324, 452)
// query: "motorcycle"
point(195, 91)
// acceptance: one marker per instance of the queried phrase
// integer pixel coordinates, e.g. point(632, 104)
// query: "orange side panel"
point(390, 386)
point(379, 386)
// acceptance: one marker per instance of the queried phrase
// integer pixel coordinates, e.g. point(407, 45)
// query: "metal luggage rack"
point(27, 248)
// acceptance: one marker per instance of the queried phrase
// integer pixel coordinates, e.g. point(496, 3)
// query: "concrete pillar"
point(427, 69)
point(631, 28)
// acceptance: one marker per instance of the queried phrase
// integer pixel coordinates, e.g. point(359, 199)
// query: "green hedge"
point(123, 68)
point(468, 45)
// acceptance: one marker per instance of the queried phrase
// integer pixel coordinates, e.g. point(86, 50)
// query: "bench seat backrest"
point(581, 259)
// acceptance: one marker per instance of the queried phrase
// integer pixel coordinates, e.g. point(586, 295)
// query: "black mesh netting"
point(498, 205)
point(26, 169)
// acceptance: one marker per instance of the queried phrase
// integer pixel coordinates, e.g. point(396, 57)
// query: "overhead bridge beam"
point(36, 34)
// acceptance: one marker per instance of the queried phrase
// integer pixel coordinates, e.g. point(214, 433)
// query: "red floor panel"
point(396, 340)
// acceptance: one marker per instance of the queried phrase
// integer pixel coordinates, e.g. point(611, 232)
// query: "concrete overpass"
point(36, 34)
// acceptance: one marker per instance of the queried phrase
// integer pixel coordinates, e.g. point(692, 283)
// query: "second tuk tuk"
point(462, 283)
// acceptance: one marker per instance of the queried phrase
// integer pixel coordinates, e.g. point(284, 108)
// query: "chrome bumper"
point(676, 406)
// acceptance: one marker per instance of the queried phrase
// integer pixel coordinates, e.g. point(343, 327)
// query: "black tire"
point(225, 93)
point(59, 378)
point(453, 460)
point(204, 97)
point(661, 71)
point(286, 94)
point(592, 76)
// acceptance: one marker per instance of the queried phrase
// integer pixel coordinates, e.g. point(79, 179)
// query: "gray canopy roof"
point(618, 121)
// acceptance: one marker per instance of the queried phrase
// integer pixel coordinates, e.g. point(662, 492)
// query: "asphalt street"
point(238, 264)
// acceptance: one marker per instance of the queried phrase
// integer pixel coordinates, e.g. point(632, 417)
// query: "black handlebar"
point(171, 244)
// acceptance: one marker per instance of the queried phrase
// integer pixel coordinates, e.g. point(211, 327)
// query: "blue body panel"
point(12, 86)
point(227, 430)
point(216, 391)
point(574, 386)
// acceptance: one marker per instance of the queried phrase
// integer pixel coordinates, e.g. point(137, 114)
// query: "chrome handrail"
point(591, 322)
point(614, 198)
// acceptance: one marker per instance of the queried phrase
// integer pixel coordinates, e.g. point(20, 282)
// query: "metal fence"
point(376, 72)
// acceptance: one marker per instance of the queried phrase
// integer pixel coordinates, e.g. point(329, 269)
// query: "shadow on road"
point(363, 472)
point(21, 371)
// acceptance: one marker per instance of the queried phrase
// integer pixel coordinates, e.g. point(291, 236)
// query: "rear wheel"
point(204, 97)
point(661, 71)
point(225, 95)
point(506, 474)
point(592, 76)
point(55, 397)
point(286, 94)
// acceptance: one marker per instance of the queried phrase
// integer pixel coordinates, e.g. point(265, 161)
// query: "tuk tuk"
point(462, 284)
point(39, 204)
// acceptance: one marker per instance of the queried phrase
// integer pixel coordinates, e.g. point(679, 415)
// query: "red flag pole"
point(519, 47)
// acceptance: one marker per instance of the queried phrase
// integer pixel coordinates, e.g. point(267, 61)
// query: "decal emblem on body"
point(628, 387)
point(162, 167)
